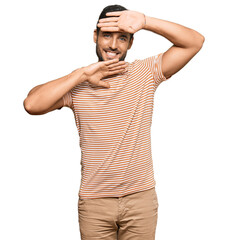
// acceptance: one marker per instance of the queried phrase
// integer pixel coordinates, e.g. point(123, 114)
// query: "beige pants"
point(131, 217)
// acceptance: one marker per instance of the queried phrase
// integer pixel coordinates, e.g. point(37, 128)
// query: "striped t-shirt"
point(114, 126)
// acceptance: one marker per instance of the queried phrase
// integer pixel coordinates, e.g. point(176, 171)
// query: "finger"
point(116, 64)
point(123, 66)
point(117, 72)
point(110, 29)
point(109, 19)
point(107, 24)
point(114, 13)
point(108, 62)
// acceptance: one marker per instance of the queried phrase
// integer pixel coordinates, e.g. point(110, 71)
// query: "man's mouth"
point(111, 54)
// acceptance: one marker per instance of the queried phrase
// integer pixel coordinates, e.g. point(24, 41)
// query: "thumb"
point(104, 84)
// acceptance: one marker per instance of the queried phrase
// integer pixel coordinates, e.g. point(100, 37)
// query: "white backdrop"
point(40, 155)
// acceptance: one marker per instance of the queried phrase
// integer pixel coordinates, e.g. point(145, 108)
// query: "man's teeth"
point(111, 54)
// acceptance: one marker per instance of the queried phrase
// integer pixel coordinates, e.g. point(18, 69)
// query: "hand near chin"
point(122, 21)
point(97, 71)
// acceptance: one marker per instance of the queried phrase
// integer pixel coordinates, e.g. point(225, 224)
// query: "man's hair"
point(111, 8)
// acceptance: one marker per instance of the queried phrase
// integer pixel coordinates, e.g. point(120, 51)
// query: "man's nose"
point(113, 43)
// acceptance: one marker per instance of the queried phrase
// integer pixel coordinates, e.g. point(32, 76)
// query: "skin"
point(95, 72)
point(47, 97)
point(115, 42)
point(186, 42)
point(113, 37)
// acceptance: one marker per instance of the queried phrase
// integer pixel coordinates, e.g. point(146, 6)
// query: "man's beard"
point(101, 58)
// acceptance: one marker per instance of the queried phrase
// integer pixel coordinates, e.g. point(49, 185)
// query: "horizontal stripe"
point(114, 126)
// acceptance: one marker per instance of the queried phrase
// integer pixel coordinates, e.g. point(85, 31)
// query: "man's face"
point(110, 45)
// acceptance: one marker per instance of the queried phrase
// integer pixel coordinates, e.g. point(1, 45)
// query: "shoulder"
point(153, 64)
point(149, 63)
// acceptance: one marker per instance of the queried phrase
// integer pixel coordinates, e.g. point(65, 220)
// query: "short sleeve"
point(154, 63)
point(67, 100)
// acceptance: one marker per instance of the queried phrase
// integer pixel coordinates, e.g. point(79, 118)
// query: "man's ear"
point(130, 43)
point(95, 35)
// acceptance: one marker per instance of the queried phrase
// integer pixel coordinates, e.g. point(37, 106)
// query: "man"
point(112, 102)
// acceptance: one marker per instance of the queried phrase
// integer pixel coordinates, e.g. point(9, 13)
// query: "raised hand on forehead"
point(122, 21)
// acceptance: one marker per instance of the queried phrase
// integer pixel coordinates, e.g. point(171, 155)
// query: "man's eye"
point(106, 35)
point(123, 38)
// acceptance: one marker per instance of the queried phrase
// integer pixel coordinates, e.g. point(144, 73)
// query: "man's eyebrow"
point(124, 35)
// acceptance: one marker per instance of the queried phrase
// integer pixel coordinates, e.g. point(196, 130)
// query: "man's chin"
point(105, 58)
point(113, 58)
point(120, 58)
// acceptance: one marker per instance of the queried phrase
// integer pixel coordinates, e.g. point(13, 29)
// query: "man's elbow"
point(27, 107)
point(200, 41)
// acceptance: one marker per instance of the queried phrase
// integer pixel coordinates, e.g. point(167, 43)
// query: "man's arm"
point(186, 42)
point(49, 96)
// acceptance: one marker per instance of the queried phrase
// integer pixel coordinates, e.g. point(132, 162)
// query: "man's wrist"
point(83, 74)
point(145, 22)
point(79, 74)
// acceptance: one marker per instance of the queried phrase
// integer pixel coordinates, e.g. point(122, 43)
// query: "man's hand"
point(97, 71)
point(122, 21)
